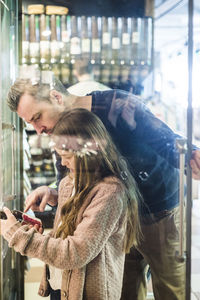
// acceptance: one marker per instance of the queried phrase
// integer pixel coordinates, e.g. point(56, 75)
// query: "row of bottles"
point(41, 169)
point(63, 39)
point(118, 49)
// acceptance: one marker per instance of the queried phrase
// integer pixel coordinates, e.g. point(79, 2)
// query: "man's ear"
point(56, 97)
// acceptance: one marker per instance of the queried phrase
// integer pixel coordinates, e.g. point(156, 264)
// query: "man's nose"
point(39, 129)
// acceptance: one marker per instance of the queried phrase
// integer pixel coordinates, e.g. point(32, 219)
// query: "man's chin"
point(49, 132)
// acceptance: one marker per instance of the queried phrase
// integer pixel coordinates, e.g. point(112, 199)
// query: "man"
point(86, 84)
point(149, 146)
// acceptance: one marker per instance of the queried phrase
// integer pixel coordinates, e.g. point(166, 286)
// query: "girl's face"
point(67, 159)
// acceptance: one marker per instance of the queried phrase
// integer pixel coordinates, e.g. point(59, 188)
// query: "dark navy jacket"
point(147, 143)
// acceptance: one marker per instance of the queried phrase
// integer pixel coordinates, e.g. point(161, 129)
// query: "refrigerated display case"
point(11, 263)
point(172, 31)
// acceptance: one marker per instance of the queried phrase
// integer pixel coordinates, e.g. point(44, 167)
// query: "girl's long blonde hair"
point(92, 167)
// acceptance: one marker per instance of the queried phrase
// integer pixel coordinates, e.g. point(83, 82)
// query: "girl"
point(96, 221)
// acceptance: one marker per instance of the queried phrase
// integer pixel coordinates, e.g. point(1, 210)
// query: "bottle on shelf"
point(34, 28)
point(106, 50)
point(55, 38)
point(45, 34)
point(65, 38)
point(125, 54)
point(146, 49)
point(55, 13)
point(149, 40)
point(25, 39)
point(125, 50)
point(96, 46)
point(116, 43)
point(75, 42)
point(142, 42)
point(106, 41)
point(65, 50)
point(85, 37)
point(55, 44)
point(96, 40)
point(135, 40)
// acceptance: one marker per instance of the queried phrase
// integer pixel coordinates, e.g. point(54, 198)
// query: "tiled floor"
point(32, 277)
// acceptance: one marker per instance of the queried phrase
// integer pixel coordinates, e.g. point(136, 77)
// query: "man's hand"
point(39, 198)
point(9, 222)
point(195, 164)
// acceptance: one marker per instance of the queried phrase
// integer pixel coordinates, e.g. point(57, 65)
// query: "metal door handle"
point(181, 145)
point(13, 159)
point(13, 130)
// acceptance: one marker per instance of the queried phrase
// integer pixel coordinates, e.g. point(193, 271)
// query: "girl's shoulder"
point(111, 184)
point(108, 192)
point(67, 181)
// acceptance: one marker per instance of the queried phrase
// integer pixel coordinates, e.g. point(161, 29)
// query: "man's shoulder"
point(117, 93)
point(106, 95)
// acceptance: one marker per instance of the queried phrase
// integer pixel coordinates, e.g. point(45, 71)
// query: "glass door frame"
point(189, 147)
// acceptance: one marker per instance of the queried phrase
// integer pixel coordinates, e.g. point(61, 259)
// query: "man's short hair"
point(18, 89)
point(40, 91)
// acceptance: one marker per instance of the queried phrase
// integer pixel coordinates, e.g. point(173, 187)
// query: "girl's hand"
point(40, 229)
point(9, 222)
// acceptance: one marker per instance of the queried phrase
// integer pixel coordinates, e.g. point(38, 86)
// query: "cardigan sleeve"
point(98, 222)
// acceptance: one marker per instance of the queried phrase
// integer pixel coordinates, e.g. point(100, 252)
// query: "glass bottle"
point(142, 41)
point(106, 40)
point(125, 52)
point(96, 40)
point(85, 37)
point(106, 50)
point(75, 42)
point(115, 40)
point(65, 50)
point(116, 43)
point(96, 46)
point(25, 39)
point(149, 40)
point(34, 39)
point(135, 40)
point(55, 38)
point(65, 39)
point(44, 41)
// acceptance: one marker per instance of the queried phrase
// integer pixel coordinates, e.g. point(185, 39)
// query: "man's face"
point(41, 115)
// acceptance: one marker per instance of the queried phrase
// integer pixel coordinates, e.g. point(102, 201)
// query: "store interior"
point(138, 46)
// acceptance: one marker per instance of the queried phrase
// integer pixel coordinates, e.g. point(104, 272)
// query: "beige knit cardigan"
point(92, 259)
